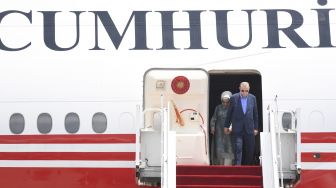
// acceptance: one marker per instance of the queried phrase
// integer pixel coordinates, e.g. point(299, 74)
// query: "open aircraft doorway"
point(229, 80)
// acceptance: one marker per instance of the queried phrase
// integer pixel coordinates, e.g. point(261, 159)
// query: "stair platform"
point(200, 176)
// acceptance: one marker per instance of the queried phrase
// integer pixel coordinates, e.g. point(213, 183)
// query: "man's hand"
point(212, 130)
point(226, 130)
point(255, 132)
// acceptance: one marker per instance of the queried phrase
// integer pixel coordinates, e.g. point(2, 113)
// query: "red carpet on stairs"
point(195, 176)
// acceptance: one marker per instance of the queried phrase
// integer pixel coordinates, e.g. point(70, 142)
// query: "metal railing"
point(278, 148)
point(168, 151)
point(275, 139)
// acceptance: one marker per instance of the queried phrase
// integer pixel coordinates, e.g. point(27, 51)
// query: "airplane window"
point(287, 121)
point(71, 122)
point(16, 123)
point(99, 122)
point(44, 123)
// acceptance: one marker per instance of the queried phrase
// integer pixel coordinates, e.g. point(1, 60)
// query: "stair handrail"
point(273, 134)
point(278, 141)
point(168, 157)
point(164, 174)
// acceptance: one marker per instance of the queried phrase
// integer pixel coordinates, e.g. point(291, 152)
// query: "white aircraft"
point(101, 94)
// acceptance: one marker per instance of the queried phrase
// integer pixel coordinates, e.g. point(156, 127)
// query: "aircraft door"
point(286, 136)
point(186, 90)
point(283, 136)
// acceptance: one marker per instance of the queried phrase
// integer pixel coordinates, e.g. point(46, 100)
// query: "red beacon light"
point(180, 85)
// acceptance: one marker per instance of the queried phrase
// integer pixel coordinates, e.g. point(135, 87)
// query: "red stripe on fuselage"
point(318, 137)
point(318, 157)
point(68, 139)
point(317, 179)
point(67, 177)
point(105, 156)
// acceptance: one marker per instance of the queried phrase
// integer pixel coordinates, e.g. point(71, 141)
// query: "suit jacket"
point(242, 123)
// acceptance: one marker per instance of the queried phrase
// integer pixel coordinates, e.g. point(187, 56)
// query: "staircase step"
point(218, 170)
point(219, 186)
point(218, 180)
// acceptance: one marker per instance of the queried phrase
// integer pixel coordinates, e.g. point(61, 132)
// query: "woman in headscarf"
point(221, 148)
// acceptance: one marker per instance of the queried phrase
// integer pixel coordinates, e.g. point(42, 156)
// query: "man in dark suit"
point(243, 115)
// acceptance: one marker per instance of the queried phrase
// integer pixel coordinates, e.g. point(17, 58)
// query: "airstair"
point(192, 176)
